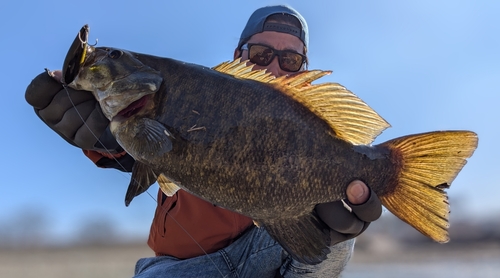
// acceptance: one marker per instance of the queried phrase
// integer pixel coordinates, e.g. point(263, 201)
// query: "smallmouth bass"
point(269, 148)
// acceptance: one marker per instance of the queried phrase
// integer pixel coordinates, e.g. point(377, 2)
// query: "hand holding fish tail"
point(364, 207)
point(64, 110)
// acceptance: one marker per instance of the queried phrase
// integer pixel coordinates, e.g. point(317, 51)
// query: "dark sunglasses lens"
point(260, 55)
point(291, 61)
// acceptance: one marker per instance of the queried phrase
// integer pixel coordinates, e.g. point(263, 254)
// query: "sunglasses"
point(263, 55)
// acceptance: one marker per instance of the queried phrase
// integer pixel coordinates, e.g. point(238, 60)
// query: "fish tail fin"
point(427, 163)
point(305, 238)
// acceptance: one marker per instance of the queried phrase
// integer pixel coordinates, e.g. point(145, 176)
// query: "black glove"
point(62, 109)
point(345, 225)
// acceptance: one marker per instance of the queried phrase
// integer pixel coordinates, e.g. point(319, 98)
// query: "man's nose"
point(274, 68)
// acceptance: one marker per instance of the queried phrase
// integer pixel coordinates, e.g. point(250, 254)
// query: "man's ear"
point(237, 53)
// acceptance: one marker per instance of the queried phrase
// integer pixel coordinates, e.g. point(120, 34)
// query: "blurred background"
point(422, 65)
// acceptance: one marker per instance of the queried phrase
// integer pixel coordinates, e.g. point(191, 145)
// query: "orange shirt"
point(183, 221)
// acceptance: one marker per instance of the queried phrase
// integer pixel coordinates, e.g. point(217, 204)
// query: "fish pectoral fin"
point(152, 138)
point(305, 238)
point(142, 178)
point(168, 187)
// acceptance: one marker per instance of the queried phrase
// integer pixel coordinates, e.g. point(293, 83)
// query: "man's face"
point(276, 40)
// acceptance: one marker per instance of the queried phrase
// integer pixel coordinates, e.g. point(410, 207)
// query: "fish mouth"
point(76, 56)
point(132, 109)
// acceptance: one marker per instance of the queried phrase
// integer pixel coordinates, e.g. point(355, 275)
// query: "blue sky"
point(422, 65)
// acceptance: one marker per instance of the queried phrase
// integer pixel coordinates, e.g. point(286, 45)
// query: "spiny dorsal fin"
point(241, 70)
point(167, 187)
point(350, 117)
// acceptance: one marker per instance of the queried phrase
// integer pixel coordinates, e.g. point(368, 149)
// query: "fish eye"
point(115, 54)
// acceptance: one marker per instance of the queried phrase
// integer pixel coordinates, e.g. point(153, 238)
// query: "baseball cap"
point(257, 24)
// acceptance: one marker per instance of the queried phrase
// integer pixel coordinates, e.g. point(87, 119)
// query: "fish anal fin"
point(142, 178)
point(428, 163)
point(305, 238)
point(168, 187)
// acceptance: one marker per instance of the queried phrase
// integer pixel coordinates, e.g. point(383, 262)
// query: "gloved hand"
point(344, 225)
point(63, 110)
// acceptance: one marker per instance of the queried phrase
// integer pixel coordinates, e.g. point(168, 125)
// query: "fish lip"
point(132, 109)
point(76, 56)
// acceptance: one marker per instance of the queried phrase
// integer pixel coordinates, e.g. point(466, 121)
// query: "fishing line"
point(125, 171)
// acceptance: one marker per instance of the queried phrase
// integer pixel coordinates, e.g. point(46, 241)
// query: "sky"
point(422, 65)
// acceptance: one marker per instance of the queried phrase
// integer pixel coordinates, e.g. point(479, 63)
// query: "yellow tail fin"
point(429, 163)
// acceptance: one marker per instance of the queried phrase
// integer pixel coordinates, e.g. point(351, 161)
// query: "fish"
point(268, 148)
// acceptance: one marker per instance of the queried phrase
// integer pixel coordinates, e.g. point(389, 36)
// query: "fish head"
point(119, 81)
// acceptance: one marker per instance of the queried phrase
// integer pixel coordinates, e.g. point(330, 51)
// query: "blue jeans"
point(254, 254)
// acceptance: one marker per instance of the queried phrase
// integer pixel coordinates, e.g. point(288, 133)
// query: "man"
point(192, 237)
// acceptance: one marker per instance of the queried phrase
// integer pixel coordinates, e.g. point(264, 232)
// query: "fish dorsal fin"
point(240, 70)
point(167, 187)
point(350, 117)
